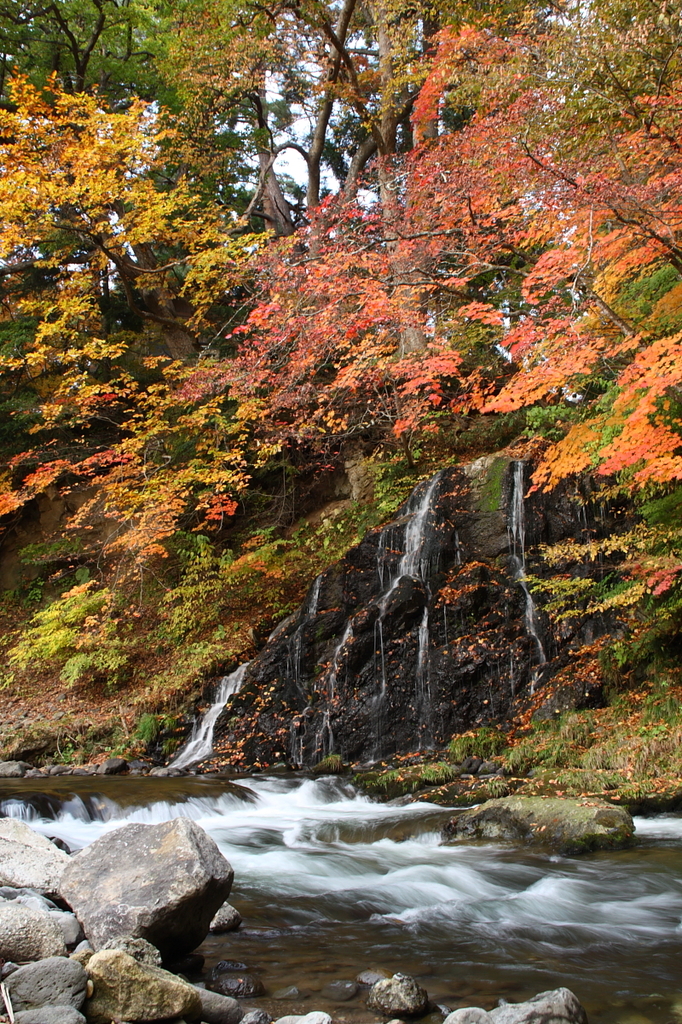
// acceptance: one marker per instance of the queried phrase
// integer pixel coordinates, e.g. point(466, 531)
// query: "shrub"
point(485, 743)
point(332, 764)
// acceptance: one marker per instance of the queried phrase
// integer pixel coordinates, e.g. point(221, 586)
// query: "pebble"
point(314, 1017)
point(257, 1017)
point(291, 992)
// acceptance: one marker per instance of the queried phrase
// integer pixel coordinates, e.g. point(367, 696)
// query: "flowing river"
point(330, 883)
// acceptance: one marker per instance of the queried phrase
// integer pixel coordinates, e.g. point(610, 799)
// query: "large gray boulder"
point(162, 883)
point(399, 996)
point(557, 1006)
point(56, 981)
point(125, 989)
point(570, 826)
point(28, 934)
point(28, 859)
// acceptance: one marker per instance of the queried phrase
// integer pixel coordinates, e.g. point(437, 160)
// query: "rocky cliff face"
point(424, 629)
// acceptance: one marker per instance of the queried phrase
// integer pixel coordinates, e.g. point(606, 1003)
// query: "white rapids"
point(362, 884)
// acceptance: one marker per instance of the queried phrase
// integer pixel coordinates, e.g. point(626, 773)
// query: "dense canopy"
point(239, 241)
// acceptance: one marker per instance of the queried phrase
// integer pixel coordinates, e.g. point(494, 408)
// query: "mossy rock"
point(491, 488)
point(569, 826)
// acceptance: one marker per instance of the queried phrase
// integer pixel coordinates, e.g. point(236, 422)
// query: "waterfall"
point(309, 612)
point(200, 744)
point(423, 655)
point(422, 682)
point(324, 737)
point(336, 659)
point(297, 731)
point(414, 562)
point(517, 543)
point(313, 598)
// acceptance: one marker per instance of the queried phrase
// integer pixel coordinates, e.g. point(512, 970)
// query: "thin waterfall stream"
point(414, 562)
point(200, 744)
point(517, 532)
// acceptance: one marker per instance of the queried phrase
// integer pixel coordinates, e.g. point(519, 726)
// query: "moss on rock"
point(571, 826)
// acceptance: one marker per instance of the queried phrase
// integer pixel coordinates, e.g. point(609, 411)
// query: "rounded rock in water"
point(398, 996)
point(257, 1017)
point(371, 977)
point(227, 919)
point(239, 986)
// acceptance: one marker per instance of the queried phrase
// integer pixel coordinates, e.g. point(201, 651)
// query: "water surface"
point(330, 883)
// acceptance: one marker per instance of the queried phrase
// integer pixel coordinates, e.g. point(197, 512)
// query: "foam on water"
point(317, 837)
point(315, 854)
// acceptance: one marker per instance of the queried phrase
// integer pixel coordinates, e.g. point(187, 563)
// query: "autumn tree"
point(96, 260)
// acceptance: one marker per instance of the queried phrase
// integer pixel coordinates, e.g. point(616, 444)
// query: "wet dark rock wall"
point(423, 630)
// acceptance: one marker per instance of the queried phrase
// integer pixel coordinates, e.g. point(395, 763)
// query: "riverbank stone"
point(257, 1017)
point(399, 996)
point(125, 989)
point(29, 860)
point(570, 826)
point(55, 981)
point(218, 1009)
point(14, 769)
point(227, 919)
point(314, 1017)
point(28, 934)
point(162, 883)
point(50, 1015)
point(70, 926)
point(556, 1006)
point(139, 949)
point(112, 766)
